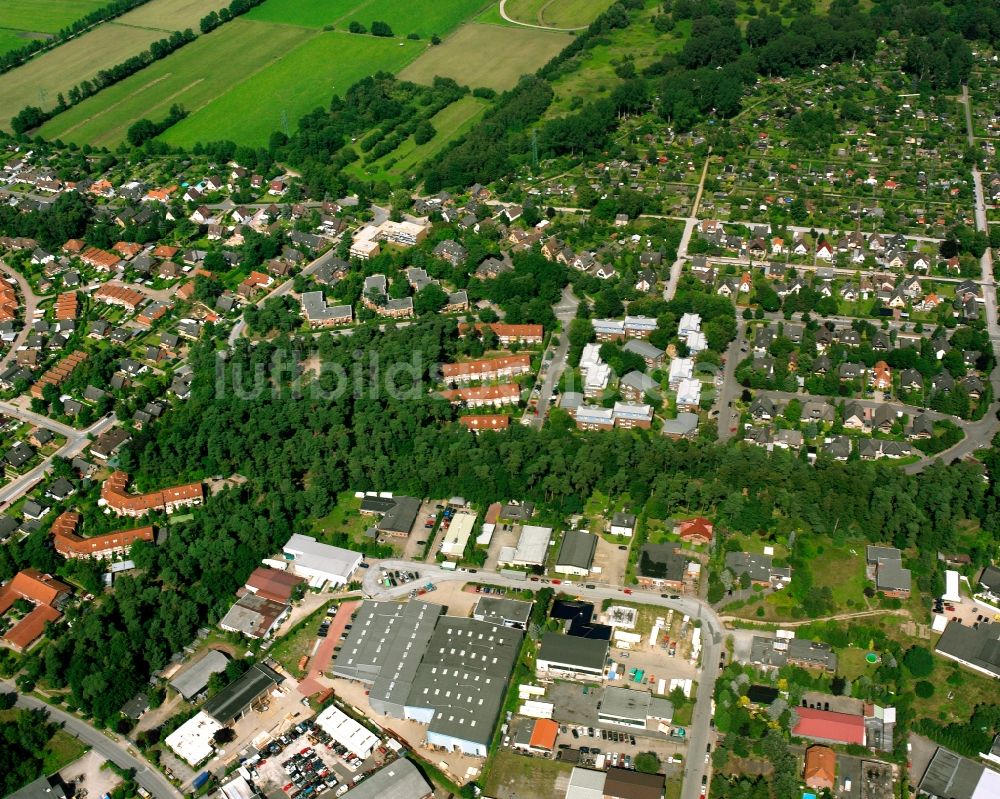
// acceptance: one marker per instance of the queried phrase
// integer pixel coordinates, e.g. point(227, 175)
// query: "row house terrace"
point(115, 494)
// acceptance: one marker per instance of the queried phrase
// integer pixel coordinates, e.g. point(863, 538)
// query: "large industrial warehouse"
point(447, 672)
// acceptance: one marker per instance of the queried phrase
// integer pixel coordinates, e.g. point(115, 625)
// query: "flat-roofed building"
point(630, 708)
point(532, 547)
point(503, 611)
point(320, 563)
point(456, 537)
point(570, 657)
point(399, 780)
point(233, 701)
point(255, 616)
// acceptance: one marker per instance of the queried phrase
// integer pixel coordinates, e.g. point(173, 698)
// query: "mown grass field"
point(296, 83)
point(171, 15)
point(556, 13)
point(44, 16)
point(450, 123)
point(193, 76)
point(423, 17)
point(470, 56)
point(13, 40)
point(40, 80)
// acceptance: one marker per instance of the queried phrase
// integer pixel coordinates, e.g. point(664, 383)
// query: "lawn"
point(193, 76)
point(13, 39)
point(300, 640)
point(292, 84)
point(62, 750)
point(44, 16)
point(344, 518)
point(449, 123)
point(41, 79)
point(516, 775)
point(471, 56)
point(308, 13)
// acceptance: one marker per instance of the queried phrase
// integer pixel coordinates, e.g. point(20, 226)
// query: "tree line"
point(31, 116)
point(14, 58)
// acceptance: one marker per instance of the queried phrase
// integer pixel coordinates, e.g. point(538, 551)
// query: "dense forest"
point(300, 443)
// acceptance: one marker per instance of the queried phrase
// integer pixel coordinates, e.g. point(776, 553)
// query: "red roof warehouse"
point(825, 725)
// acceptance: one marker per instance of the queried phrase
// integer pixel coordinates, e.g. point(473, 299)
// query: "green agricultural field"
point(13, 40)
point(308, 13)
point(450, 123)
point(193, 76)
point(470, 56)
point(556, 13)
point(424, 17)
point(306, 77)
point(44, 16)
point(40, 80)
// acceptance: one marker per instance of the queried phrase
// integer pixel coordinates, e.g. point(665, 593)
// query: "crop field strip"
point(193, 77)
point(470, 55)
point(44, 16)
point(556, 13)
point(39, 81)
point(423, 17)
point(301, 79)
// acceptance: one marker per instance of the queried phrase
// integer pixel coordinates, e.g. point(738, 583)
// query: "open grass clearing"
point(44, 16)
point(300, 641)
point(556, 13)
point(514, 775)
point(193, 76)
point(40, 80)
point(487, 55)
point(14, 39)
point(292, 84)
point(449, 123)
point(61, 749)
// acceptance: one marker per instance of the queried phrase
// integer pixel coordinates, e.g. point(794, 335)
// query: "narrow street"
point(565, 311)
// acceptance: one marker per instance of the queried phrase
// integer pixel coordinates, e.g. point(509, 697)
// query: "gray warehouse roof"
point(398, 780)
point(237, 697)
point(463, 677)
point(577, 549)
point(385, 646)
point(194, 679)
point(950, 775)
point(498, 610)
point(587, 653)
point(977, 647)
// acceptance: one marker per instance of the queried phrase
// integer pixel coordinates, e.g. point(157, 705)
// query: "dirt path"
point(836, 617)
point(506, 18)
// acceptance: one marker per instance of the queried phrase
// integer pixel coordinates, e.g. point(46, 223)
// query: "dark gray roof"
point(41, 788)
point(979, 647)
point(665, 556)
point(577, 549)
point(398, 780)
point(401, 516)
point(950, 776)
point(463, 677)
point(237, 697)
point(990, 578)
point(498, 610)
point(194, 679)
point(589, 653)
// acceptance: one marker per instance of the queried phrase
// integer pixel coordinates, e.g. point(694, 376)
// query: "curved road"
point(108, 745)
point(503, 14)
point(713, 635)
point(30, 304)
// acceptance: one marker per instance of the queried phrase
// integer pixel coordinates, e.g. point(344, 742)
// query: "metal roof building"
point(571, 656)
point(501, 610)
point(194, 679)
point(236, 698)
point(532, 547)
point(399, 780)
point(576, 553)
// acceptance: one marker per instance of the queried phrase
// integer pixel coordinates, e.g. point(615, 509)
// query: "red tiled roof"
point(826, 725)
point(31, 584)
point(115, 493)
point(31, 627)
point(694, 528)
point(543, 736)
point(273, 584)
point(69, 544)
point(496, 421)
point(508, 392)
point(473, 369)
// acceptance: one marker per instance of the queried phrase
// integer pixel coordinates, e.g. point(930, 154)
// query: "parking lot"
point(304, 761)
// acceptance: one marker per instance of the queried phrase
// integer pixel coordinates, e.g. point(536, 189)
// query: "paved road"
point(76, 442)
point(728, 417)
point(30, 302)
point(713, 635)
point(280, 291)
point(108, 745)
point(565, 311)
